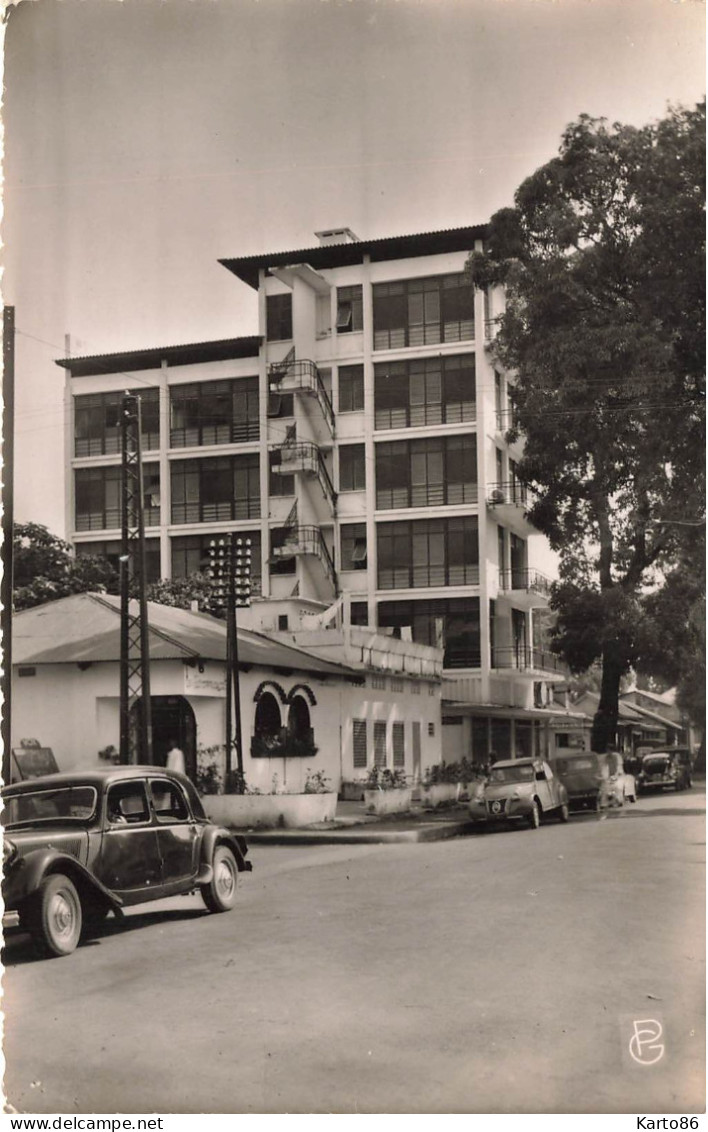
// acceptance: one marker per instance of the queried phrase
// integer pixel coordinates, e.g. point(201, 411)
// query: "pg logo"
point(644, 1045)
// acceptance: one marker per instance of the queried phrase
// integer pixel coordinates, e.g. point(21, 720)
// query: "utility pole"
point(134, 627)
point(8, 451)
point(230, 571)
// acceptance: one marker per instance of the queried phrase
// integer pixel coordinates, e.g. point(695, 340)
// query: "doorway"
point(173, 721)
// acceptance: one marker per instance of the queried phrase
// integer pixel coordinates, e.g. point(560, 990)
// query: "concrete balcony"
point(303, 457)
point(510, 501)
point(525, 658)
point(527, 587)
point(305, 540)
point(301, 376)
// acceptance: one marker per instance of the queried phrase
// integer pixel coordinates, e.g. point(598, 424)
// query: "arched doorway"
point(173, 721)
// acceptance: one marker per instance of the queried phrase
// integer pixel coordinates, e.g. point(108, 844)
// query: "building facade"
point(359, 440)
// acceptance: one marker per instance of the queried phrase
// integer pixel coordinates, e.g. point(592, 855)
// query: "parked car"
point(586, 777)
point(519, 789)
point(671, 767)
point(79, 846)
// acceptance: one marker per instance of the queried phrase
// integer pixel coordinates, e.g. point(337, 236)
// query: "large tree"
point(45, 569)
point(602, 258)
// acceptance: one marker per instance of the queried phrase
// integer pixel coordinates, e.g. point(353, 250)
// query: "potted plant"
point(387, 791)
point(442, 784)
point(252, 808)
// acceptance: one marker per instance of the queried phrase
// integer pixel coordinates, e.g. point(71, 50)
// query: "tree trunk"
point(604, 725)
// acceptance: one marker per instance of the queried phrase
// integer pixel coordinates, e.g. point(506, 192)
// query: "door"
point(518, 628)
point(416, 751)
point(173, 722)
point(177, 832)
point(129, 861)
point(546, 786)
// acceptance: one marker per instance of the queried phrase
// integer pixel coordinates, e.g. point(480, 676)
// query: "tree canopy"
point(603, 262)
point(45, 569)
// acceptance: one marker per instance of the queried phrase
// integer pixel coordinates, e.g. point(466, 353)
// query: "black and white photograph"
point(353, 562)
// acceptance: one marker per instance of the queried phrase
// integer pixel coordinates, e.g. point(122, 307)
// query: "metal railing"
point(306, 457)
point(526, 658)
point(527, 578)
point(509, 492)
point(302, 376)
point(506, 419)
point(307, 540)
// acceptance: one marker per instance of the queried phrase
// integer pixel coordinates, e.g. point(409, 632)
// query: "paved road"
point(495, 973)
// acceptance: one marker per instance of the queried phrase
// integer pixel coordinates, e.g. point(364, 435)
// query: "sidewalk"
point(353, 826)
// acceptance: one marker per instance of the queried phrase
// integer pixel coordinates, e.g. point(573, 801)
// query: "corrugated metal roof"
point(189, 353)
point(347, 253)
point(85, 629)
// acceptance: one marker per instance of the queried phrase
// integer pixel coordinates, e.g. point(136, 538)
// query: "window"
point(97, 422)
point(98, 497)
point(278, 485)
point(168, 801)
point(280, 405)
point(279, 536)
point(426, 473)
point(353, 546)
point(350, 314)
point(397, 684)
point(417, 312)
point(359, 743)
point(425, 392)
point(223, 487)
point(428, 552)
point(379, 742)
point(279, 317)
point(214, 412)
point(359, 613)
point(190, 554)
point(127, 804)
point(352, 468)
point(113, 548)
point(459, 618)
point(351, 389)
point(399, 744)
point(378, 682)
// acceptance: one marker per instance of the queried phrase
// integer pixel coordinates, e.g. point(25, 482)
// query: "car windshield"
point(64, 803)
point(521, 773)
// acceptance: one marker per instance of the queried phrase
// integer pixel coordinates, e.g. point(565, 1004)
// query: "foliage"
point(317, 782)
point(382, 778)
point(602, 259)
point(44, 568)
point(463, 771)
point(283, 744)
point(182, 592)
point(109, 754)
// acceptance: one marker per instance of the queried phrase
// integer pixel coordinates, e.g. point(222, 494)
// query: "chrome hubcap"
point(224, 880)
point(62, 917)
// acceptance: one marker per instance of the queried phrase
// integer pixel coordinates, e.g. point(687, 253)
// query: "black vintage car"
point(671, 767)
point(79, 846)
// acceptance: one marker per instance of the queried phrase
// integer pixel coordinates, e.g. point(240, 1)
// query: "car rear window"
point(65, 803)
point(570, 766)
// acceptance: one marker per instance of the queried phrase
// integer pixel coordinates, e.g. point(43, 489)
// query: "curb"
point(430, 831)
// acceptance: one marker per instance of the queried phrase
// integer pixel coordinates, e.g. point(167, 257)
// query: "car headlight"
point(9, 852)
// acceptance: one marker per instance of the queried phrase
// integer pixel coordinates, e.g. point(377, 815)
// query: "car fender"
point(26, 874)
point(218, 835)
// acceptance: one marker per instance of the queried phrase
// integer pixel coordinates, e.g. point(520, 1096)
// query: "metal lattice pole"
point(134, 628)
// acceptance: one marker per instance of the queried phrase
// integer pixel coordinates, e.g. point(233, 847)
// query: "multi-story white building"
point(359, 440)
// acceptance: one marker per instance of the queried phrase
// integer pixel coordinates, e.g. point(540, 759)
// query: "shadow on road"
point(18, 949)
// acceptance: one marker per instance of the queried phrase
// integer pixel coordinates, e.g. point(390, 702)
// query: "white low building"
point(303, 709)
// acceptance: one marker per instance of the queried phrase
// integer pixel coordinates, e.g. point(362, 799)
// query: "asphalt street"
point(500, 972)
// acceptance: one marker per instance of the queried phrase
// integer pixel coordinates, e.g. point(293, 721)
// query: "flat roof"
point(348, 253)
point(187, 354)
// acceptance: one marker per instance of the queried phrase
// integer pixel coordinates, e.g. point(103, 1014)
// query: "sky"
point(145, 139)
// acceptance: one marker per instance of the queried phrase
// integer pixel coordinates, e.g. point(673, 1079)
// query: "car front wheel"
point(535, 816)
point(219, 894)
point(55, 917)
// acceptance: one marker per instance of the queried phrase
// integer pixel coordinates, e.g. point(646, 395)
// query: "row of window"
point(427, 552)
point(406, 394)
point(410, 312)
point(416, 473)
